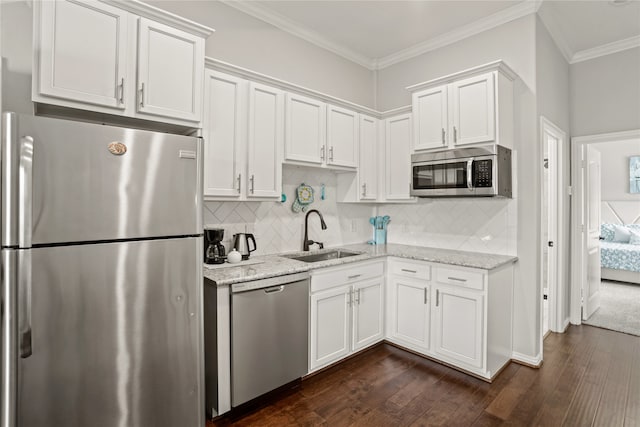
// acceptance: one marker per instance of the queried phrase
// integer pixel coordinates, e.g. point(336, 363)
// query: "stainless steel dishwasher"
point(269, 334)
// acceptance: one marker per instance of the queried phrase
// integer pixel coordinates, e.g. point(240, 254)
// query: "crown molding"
point(498, 65)
point(499, 18)
point(555, 30)
point(285, 24)
point(605, 49)
point(147, 11)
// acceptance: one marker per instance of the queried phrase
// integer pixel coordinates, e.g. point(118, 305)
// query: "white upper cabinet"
point(474, 106)
point(83, 53)
point(368, 167)
point(430, 118)
point(170, 71)
point(265, 141)
point(342, 137)
point(224, 132)
point(474, 111)
point(398, 157)
point(305, 124)
point(104, 58)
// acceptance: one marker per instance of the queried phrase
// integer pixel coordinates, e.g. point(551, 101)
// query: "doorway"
point(553, 224)
point(592, 207)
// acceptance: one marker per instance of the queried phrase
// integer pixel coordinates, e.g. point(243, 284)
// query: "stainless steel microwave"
point(464, 172)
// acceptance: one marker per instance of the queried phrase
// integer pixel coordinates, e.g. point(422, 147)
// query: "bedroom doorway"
point(605, 279)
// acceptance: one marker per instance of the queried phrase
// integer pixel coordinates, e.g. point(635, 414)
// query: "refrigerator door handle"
point(24, 295)
point(9, 369)
point(25, 192)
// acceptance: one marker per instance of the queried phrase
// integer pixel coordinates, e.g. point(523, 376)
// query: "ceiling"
point(379, 33)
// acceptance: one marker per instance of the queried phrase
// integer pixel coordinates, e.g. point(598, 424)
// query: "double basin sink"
point(324, 256)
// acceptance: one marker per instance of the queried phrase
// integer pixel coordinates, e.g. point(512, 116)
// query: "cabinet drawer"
point(349, 273)
point(466, 278)
point(415, 269)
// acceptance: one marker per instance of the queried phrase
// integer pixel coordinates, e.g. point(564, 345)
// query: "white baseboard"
point(525, 359)
point(565, 324)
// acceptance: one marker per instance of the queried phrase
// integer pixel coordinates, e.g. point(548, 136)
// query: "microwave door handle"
point(469, 171)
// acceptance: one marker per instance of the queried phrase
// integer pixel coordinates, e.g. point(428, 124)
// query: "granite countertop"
point(266, 266)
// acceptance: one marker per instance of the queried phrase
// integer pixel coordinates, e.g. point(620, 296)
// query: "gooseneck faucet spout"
point(306, 242)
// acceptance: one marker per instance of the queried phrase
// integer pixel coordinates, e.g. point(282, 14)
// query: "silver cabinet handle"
point(121, 86)
point(469, 172)
point(239, 179)
point(364, 189)
point(252, 181)
point(437, 297)
point(358, 299)
point(274, 290)
point(455, 134)
point(408, 271)
point(426, 291)
point(142, 95)
point(24, 295)
point(457, 279)
point(331, 153)
point(350, 300)
point(322, 152)
point(355, 276)
point(443, 137)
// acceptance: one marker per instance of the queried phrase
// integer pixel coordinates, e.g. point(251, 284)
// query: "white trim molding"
point(276, 19)
point(605, 49)
point(525, 359)
point(499, 65)
point(499, 18)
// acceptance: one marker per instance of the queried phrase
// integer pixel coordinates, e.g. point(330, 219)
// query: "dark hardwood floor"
point(590, 376)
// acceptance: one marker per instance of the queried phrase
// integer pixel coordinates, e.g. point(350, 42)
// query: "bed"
point(619, 254)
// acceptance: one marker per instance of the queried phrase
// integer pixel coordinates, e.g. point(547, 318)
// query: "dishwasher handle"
point(274, 290)
point(272, 283)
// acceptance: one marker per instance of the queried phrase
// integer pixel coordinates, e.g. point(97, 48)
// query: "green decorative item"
point(304, 197)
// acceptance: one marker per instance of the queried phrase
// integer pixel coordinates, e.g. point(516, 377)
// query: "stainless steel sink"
point(324, 256)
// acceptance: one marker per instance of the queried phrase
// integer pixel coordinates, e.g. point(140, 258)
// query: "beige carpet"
point(619, 308)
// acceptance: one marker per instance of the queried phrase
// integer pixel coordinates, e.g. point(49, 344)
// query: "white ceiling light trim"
point(285, 24)
point(605, 49)
point(499, 18)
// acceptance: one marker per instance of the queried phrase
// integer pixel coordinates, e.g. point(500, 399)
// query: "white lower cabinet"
point(461, 316)
point(347, 311)
point(458, 325)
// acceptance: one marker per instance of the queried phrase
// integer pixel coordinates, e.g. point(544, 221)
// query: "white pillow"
point(621, 234)
point(635, 238)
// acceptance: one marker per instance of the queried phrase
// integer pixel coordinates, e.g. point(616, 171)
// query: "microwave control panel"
point(482, 173)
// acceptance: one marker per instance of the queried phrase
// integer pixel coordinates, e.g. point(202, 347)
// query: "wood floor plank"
point(590, 376)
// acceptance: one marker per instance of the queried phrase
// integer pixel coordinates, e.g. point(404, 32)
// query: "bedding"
point(620, 256)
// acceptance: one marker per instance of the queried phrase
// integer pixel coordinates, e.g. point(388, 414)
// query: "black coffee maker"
point(213, 249)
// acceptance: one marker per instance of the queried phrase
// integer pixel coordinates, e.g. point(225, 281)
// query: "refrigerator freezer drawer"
point(93, 182)
point(116, 336)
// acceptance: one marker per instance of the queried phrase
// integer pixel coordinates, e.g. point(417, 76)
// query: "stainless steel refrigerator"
point(101, 276)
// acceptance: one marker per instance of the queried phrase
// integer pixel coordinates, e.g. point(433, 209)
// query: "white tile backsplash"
point(476, 224)
point(278, 229)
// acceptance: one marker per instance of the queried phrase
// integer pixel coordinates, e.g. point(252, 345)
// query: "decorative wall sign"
point(634, 174)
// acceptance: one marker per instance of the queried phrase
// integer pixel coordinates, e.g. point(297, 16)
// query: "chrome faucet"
point(306, 243)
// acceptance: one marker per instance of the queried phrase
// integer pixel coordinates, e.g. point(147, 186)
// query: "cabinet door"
point(409, 312)
point(266, 140)
point(330, 311)
point(223, 130)
point(368, 309)
point(367, 168)
point(342, 137)
point(430, 119)
point(474, 111)
point(458, 330)
point(170, 72)
point(398, 157)
point(305, 136)
point(83, 52)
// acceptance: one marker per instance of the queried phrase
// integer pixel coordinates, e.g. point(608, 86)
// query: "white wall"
point(605, 94)
point(251, 43)
point(16, 48)
point(615, 169)
point(515, 43)
point(552, 90)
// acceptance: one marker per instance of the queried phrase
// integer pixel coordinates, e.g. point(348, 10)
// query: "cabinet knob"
point(364, 189)
point(455, 134)
point(444, 142)
point(239, 182)
point(121, 86)
point(322, 153)
point(252, 181)
point(331, 153)
point(142, 95)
